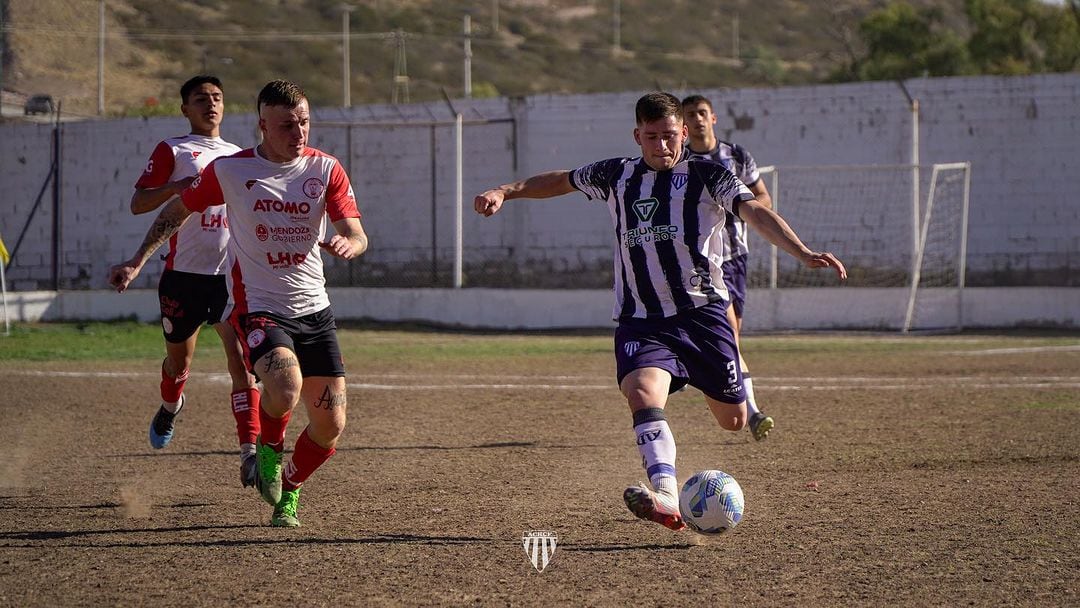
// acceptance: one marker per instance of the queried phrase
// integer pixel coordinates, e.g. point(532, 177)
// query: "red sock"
point(245, 408)
point(273, 429)
point(306, 457)
point(172, 387)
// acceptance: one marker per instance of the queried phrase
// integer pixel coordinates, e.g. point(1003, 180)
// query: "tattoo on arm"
point(277, 362)
point(329, 400)
point(168, 221)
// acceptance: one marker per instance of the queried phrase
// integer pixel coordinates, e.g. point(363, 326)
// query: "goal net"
point(900, 229)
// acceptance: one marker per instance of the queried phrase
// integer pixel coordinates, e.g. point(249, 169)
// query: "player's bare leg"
point(244, 402)
point(174, 374)
point(325, 401)
point(646, 391)
point(279, 371)
point(759, 422)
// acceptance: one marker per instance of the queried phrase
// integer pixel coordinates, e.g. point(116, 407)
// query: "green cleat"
point(760, 425)
point(268, 481)
point(285, 510)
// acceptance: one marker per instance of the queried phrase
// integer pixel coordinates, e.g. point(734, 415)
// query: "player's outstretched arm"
point(145, 200)
point(770, 225)
point(168, 222)
point(543, 185)
point(350, 240)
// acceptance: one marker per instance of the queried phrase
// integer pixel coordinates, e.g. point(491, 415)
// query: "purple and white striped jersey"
point(668, 226)
point(737, 160)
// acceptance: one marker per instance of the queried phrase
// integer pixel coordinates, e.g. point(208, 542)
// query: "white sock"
point(751, 401)
point(173, 407)
point(657, 447)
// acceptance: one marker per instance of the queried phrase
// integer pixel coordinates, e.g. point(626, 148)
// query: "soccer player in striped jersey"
point(702, 142)
point(192, 289)
point(279, 196)
point(668, 211)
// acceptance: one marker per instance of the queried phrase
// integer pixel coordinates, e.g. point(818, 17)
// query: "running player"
point(191, 289)
point(699, 117)
point(670, 296)
point(278, 195)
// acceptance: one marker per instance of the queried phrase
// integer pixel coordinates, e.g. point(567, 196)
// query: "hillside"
point(519, 47)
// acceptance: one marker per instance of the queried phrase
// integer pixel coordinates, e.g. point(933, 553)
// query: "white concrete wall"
point(771, 310)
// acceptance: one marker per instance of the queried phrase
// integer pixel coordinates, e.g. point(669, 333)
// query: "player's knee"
point(326, 433)
point(736, 423)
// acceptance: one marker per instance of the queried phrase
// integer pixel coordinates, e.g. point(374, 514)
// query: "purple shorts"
point(696, 347)
point(735, 280)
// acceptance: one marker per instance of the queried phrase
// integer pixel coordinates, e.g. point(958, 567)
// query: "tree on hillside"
point(1007, 37)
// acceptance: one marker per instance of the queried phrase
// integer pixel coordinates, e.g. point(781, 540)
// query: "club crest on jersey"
point(314, 187)
point(645, 208)
point(631, 347)
point(261, 232)
point(678, 180)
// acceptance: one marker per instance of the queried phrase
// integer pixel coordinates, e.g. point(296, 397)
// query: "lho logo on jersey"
point(645, 208)
point(540, 547)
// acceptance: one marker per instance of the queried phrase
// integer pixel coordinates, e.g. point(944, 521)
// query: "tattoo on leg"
point(329, 401)
point(276, 362)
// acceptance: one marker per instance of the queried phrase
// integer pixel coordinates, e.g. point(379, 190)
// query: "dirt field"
point(903, 471)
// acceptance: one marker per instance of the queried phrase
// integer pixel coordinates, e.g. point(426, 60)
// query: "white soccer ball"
point(711, 502)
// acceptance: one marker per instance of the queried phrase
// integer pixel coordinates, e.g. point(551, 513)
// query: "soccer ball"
point(711, 502)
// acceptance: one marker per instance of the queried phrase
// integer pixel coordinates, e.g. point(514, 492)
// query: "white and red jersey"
point(276, 219)
point(199, 245)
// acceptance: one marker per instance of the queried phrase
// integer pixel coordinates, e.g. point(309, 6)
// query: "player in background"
point(699, 118)
point(670, 296)
point(192, 288)
point(278, 195)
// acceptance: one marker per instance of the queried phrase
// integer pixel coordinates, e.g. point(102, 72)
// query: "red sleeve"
point(205, 191)
point(340, 202)
point(159, 168)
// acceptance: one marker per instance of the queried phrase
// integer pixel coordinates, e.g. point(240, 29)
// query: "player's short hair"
point(194, 83)
point(280, 93)
point(657, 106)
point(693, 100)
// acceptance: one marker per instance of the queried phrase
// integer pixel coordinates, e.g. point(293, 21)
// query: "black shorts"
point(312, 337)
point(188, 300)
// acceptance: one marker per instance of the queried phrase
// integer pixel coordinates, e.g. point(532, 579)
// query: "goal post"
point(949, 195)
point(914, 255)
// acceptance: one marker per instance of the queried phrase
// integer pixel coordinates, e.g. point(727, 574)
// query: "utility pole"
point(401, 76)
point(616, 36)
point(468, 55)
point(2, 5)
point(346, 72)
point(735, 37)
point(101, 59)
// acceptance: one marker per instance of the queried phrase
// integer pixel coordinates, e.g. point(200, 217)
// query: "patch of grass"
point(130, 340)
point(124, 340)
point(1054, 401)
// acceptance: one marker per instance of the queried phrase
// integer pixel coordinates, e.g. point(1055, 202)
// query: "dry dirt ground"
point(903, 471)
